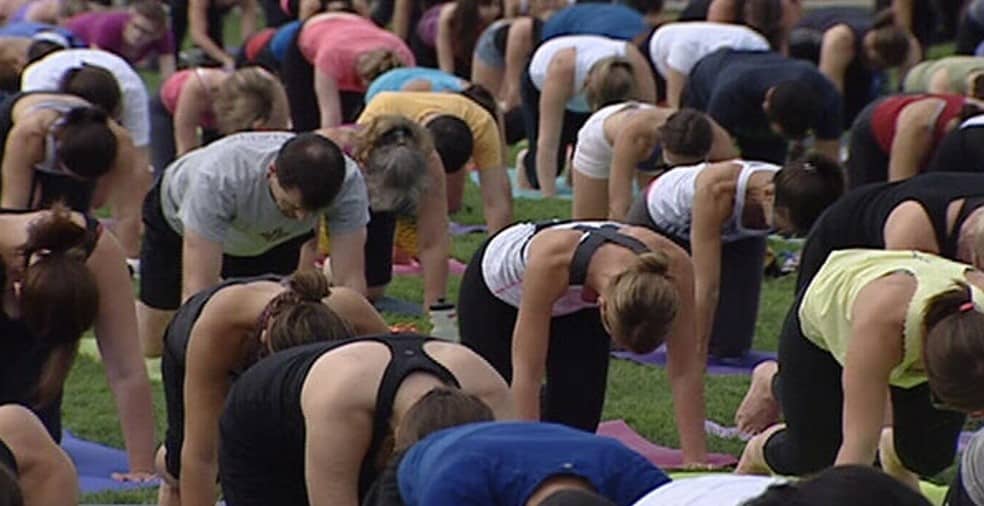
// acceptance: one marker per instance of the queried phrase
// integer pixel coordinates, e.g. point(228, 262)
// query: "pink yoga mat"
point(664, 458)
point(414, 268)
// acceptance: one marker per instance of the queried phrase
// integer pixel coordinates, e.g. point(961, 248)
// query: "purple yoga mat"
point(743, 365)
point(664, 458)
point(455, 228)
point(96, 463)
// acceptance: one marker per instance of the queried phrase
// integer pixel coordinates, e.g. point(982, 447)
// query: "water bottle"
point(444, 320)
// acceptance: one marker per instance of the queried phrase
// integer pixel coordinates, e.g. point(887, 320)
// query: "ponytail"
point(805, 187)
point(641, 303)
point(59, 297)
point(377, 62)
point(953, 353)
point(765, 17)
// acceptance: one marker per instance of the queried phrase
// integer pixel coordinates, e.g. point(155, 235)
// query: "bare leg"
point(521, 180)
point(455, 185)
point(753, 457)
point(47, 475)
point(489, 77)
point(759, 408)
point(590, 197)
point(151, 324)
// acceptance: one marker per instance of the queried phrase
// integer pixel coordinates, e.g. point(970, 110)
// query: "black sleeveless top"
point(858, 219)
point(263, 424)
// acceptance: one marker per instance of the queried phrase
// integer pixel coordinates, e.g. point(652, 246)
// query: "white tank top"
point(670, 201)
point(504, 266)
point(679, 46)
point(590, 49)
point(593, 152)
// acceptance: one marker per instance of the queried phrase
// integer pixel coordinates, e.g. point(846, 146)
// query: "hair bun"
point(85, 114)
point(653, 262)
point(309, 285)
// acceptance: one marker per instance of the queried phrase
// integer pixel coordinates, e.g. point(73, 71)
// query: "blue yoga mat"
point(96, 463)
point(393, 305)
point(716, 366)
point(564, 191)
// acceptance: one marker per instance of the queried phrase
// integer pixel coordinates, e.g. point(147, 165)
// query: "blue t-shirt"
point(498, 463)
point(396, 79)
point(282, 38)
point(30, 29)
point(610, 20)
point(730, 86)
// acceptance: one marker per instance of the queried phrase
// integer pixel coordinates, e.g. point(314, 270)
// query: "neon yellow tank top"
point(825, 312)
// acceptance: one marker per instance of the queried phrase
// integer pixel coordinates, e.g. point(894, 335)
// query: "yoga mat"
point(414, 268)
point(389, 304)
point(665, 458)
point(564, 190)
point(716, 366)
point(96, 463)
point(455, 228)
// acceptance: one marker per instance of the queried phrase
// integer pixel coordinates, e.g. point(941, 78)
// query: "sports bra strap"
point(596, 237)
point(408, 357)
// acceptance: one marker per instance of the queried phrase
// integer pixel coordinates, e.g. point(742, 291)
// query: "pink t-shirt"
point(333, 44)
point(105, 30)
point(171, 92)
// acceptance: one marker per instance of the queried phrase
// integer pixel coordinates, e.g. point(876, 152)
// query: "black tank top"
point(7, 459)
point(268, 397)
point(178, 332)
point(858, 219)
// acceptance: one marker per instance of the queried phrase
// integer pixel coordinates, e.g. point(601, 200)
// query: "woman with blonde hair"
point(217, 103)
point(547, 300)
point(568, 78)
point(334, 57)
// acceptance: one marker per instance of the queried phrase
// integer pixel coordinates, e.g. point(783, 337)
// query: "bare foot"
point(759, 409)
point(521, 181)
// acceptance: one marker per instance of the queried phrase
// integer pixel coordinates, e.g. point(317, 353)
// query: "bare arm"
point(908, 227)
point(24, 148)
point(913, 138)
point(557, 90)
point(939, 82)
point(166, 64)
point(126, 372)
point(903, 10)
point(329, 103)
point(827, 147)
point(198, 30)
point(192, 102)
point(836, 53)
point(401, 18)
point(542, 286)
point(875, 348)
point(201, 261)
point(445, 46)
point(249, 11)
point(338, 434)
point(632, 144)
point(433, 244)
point(722, 11)
point(519, 45)
point(722, 144)
point(348, 259)
point(126, 201)
point(713, 204)
point(493, 182)
point(675, 81)
point(645, 83)
point(685, 364)
point(208, 362)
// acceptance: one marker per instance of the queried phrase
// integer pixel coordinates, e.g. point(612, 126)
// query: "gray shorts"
point(486, 49)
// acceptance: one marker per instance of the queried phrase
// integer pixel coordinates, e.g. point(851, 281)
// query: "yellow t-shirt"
point(825, 312)
point(417, 105)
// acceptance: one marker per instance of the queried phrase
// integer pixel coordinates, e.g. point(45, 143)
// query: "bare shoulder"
point(348, 375)
point(885, 299)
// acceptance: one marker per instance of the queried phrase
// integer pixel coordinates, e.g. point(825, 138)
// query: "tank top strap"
point(949, 245)
point(597, 237)
point(408, 357)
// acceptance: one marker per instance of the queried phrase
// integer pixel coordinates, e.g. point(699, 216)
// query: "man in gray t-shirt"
point(247, 205)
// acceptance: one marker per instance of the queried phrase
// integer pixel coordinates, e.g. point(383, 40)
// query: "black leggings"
point(298, 77)
point(577, 360)
point(742, 264)
point(812, 398)
point(866, 161)
point(179, 22)
point(970, 33)
point(573, 121)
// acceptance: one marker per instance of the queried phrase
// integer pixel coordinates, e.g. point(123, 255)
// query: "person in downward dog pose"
point(722, 213)
point(314, 424)
point(43, 472)
point(870, 323)
point(219, 333)
point(547, 300)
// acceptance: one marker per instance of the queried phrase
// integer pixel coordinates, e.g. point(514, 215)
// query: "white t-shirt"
point(590, 49)
point(711, 490)
point(679, 46)
point(221, 192)
point(46, 74)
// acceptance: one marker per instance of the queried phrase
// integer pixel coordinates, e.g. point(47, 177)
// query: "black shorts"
point(160, 257)
point(379, 248)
